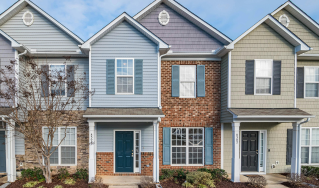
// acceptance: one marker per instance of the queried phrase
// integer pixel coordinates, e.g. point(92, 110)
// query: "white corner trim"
point(229, 81)
point(295, 98)
point(90, 76)
point(222, 146)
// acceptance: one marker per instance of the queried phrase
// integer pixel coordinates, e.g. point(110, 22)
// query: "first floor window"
point(264, 75)
point(311, 81)
point(58, 87)
point(310, 145)
point(65, 153)
point(187, 146)
point(124, 76)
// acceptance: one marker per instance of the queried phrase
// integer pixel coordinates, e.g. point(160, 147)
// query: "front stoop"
point(121, 186)
point(123, 181)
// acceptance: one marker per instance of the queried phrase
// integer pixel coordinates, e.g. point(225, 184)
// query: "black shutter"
point(249, 77)
point(289, 146)
point(70, 80)
point(44, 81)
point(277, 77)
point(300, 82)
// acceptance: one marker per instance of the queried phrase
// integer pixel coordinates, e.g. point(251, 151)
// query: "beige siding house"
point(270, 95)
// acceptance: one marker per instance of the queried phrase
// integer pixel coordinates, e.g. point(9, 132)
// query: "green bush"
point(63, 173)
point(31, 184)
point(310, 171)
point(217, 174)
point(69, 181)
point(181, 173)
point(199, 179)
point(32, 174)
point(167, 174)
point(81, 174)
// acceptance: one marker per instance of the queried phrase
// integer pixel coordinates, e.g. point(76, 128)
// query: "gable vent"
point(284, 20)
point(163, 17)
point(28, 18)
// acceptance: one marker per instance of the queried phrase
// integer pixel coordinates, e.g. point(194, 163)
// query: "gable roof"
point(19, 5)
point(188, 15)
point(124, 17)
point(299, 45)
point(300, 15)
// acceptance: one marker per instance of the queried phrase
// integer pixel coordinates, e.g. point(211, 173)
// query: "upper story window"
point(264, 74)
point(57, 87)
point(311, 81)
point(284, 20)
point(28, 18)
point(124, 76)
point(187, 81)
point(163, 17)
point(310, 146)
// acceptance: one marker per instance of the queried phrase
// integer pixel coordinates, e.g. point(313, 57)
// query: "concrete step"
point(123, 186)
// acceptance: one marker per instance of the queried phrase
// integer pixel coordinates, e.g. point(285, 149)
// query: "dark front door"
point(2, 152)
point(249, 151)
point(124, 151)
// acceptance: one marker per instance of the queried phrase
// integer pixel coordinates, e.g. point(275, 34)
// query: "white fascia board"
point(116, 22)
point(301, 47)
point(190, 16)
point(300, 15)
point(275, 116)
point(22, 3)
point(123, 116)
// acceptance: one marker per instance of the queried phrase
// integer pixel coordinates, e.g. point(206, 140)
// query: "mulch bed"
point(222, 184)
point(55, 181)
point(288, 184)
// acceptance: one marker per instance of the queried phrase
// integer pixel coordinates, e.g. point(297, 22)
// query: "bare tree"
point(42, 95)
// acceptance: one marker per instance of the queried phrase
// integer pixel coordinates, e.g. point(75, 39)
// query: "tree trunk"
point(47, 170)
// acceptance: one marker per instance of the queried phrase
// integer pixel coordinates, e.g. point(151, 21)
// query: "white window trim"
point(309, 146)
point(65, 67)
point(255, 77)
point(25, 23)
point(195, 82)
point(288, 20)
point(59, 148)
point(187, 147)
point(304, 87)
point(124, 76)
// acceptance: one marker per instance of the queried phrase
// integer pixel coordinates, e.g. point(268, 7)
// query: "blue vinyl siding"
point(42, 35)
point(125, 41)
point(105, 135)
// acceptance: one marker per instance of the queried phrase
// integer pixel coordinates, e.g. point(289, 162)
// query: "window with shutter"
point(187, 82)
point(124, 77)
point(263, 76)
point(311, 82)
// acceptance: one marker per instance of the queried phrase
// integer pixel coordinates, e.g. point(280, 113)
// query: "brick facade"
point(192, 112)
point(29, 160)
point(105, 164)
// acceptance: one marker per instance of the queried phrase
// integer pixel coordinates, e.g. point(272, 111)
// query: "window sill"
point(263, 94)
point(187, 97)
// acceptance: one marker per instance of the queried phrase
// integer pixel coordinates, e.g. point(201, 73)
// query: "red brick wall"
point(105, 164)
point(192, 112)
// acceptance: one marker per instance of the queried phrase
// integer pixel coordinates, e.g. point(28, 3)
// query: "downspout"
point(295, 99)
point(299, 145)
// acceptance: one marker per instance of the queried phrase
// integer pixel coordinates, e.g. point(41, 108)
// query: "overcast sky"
point(232, 17)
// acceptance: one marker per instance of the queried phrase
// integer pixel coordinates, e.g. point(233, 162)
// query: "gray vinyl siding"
point(19, 144)
point(180, 33)
point(302, 31)
point(125, 41)
point(225, 115)
point(310, 105)
point(82, 67)
point(262, 43)
point(42, 35)
point(105, 135)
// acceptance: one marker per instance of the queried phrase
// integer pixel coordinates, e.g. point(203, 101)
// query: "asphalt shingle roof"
point(269, 112)
point(123, 111)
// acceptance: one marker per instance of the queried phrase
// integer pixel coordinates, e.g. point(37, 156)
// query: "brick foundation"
point(192, 112)
point(105, 164)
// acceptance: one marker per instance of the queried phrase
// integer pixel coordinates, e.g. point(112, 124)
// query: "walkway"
point(273, 180)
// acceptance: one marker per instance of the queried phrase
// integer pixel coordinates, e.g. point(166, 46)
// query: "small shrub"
point(69, 181)
point(181, 173)
point(310, 171)
point(31, 184)
point(200, 179)
point(58, 186)
point(32, 174)
point(257, 181)
point(41, 186)
point(217, 174)
point(81, 174)
point(187, 185)
point(167, 174)
point(295, 179)
point(63, 173)
point(147, 182)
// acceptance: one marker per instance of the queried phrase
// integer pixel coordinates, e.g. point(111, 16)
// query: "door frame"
point(265, 151)
point(5, 147)
point(134, 148)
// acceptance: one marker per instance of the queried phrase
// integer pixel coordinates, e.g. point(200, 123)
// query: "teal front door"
point(124, 151)
point(2, 152)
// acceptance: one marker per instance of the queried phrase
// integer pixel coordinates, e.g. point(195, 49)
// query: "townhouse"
point(171, 91)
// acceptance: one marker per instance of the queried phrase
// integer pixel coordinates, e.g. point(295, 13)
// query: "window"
point(163, 17)
point(58, 87)
point(311, 81)
point(65, 154)
point(187, 79)
point(284, 20)
point(28, 18)
point(187, 146)
point(124, 76)
point(263, 76)
point(310, 146)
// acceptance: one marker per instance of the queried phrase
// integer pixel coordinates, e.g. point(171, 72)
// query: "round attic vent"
point(284, 20)
point(163, 17)
point(28, 18)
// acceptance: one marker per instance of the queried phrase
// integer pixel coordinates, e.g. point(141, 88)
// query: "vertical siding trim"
point(229, 81)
